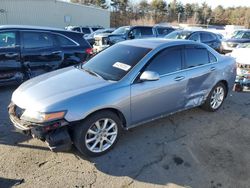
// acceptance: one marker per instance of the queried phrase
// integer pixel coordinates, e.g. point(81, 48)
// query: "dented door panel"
point(200, 81)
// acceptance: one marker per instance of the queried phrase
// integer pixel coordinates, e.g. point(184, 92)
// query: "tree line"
point(126, 12)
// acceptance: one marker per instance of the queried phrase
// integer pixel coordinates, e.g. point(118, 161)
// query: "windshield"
point(115, 62)
point(178, 35)
point(242, 35)
point(121, 30)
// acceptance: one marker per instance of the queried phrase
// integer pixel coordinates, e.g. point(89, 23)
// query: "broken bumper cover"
point(55, 133)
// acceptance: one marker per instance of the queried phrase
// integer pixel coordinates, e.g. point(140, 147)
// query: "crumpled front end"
point(54, 133)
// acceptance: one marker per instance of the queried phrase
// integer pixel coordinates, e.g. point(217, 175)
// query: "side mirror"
point(149, 76)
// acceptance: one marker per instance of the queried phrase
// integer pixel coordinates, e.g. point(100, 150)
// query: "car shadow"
point(154, 153)
point(7, 183)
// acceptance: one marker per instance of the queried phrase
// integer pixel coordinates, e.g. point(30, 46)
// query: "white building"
point(52, 13)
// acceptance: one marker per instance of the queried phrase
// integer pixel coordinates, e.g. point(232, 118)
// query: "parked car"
point(162, 31)
point(116, 90)
point(240, 37)
point(85, 30)
point(27, 51)
point(241, 55)
point(209, 38)
point(103, 41)
point(91, 37)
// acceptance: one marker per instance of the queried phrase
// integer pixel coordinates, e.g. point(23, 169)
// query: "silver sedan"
point(126, 85)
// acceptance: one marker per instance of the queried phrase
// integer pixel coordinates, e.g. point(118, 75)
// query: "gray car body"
point(82, 94)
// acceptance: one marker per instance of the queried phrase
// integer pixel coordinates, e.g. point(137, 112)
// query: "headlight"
point(40, 117)
point(224, 43)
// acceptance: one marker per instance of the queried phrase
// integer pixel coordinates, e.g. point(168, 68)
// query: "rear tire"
point(97, 134)
point(215, 98)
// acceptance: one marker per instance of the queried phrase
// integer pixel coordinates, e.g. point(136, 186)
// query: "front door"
point(39, 52)
point(10, 65)
point(151, 99)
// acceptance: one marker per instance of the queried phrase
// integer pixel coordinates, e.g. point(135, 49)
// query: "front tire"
point(215, 98)
point(97, 134)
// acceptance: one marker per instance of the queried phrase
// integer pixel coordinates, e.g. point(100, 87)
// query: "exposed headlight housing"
point(41, 117)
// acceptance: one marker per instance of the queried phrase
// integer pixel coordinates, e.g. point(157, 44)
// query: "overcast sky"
point(224, 3)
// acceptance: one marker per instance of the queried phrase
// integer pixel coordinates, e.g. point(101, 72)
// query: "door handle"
point(179, 78)
point(212, 69)
point(56, 52)
point(11, 55)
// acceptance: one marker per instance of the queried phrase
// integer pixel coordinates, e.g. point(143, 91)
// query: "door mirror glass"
point(149, 76)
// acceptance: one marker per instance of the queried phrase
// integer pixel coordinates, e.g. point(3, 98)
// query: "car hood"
point(238, 40)
point(48, 89)
point(241, 55)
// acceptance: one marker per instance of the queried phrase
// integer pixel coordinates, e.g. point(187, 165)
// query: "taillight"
point(89, 51)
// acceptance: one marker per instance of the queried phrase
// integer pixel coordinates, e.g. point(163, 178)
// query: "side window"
point(78, 29)
point(145, 31)
point(63, 41)
point(135, 33)
point(206, 37)
point(7, 39)
point(85, 30)
point(246, 35)
point(212, 58)
point(166, 61)
point(195, 37)
point(37, 40)
point(196, 57)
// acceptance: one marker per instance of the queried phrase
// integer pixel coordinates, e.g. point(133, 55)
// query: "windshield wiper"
point(93, 73)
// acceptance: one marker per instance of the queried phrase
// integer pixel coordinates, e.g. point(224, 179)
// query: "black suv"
point(27, 51)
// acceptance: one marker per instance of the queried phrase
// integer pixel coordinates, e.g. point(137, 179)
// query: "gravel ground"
point(193, 148)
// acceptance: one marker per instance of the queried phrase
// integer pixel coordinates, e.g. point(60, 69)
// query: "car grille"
point(243, 66)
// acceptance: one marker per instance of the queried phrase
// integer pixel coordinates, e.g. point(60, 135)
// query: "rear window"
point(37, 40)
point(63, 41)
point(164, 31)
point(178, 35)
point(85, 30)
point(115, 62)
point(196, 57)
point(77, 29)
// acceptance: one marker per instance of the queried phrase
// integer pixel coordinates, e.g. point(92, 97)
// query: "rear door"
point(39, 53)
point(9, 54)
point(152, 99)
point(201, 70)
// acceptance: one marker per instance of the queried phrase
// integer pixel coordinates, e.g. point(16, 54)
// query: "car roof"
point(155, 43)
point(29, 27)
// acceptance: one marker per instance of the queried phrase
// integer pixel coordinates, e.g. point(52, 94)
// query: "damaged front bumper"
point(55, 133)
